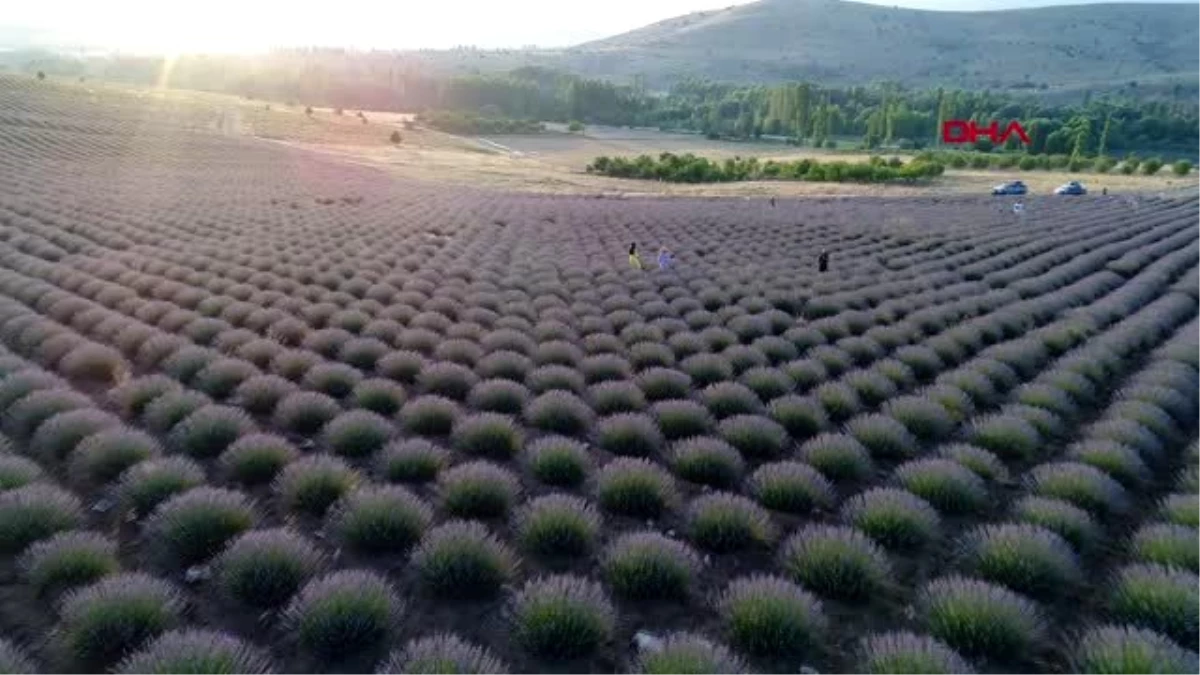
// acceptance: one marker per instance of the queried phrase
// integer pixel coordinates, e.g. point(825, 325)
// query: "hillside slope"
point(848, 42)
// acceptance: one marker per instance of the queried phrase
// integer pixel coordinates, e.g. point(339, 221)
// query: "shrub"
point(650, 566)
point(442, 653)
point(148, 483)
point(1119, 461)
point(558, 525)
point(767, 616)
point(686, 653)
point(983, 463)
point(168, 410)
point(429, 416)
point(344, 614)
point(1008, 436)
point(724, 522)
point(499, 396)
point(681, 419)
point(133, 396)
point(629, 434)
point(979, 618)
point(34, 512)
point(379, 396)
point(791, 487)
point(222, 377)
point(192, 526)
point(357, 433)
point(461, 559)
point(67, 560)
point(256, 459)
point(449, 380)
point(1026, 558)
point(379, 519)
point(947, 485)
point(753, 436)
point(13, 660)
point(1080, 484)
point(196, 651)
point(260, 395)
point(635, 487)
point(609, 398)
point(708, 461)
point(801, 416)
point(904, 652)
point(478, 489)
point(264, 568)
point(93, 362)
point(487, 435)
point(839, 401)
point(1167, 544)
point(118, 614)
point(208, 431)
point(806, 373)
point(1124, 649)
point(767, 384)
point(401, 366)
point(883, 436)
point(726, 399)
point(1159, 598)
point(17, 471)
point(413, 460)
point(58, 436)
point(1181, 509)
point(311, 484)
point(562, 617)
point(871, 387)
point(102, 456)
point(706, 369)
point(558, 461)
point(893, 518)
point(335, 380)
point(24, 416)
point(559, 412)
point(839, 457)
point(555, 378)
point(925, 418)
point(1070, 522)
point(658, 384)
point(835, 561)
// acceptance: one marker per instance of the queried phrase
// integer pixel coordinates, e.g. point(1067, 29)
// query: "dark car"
point(1015, 187)
point(1072, 188)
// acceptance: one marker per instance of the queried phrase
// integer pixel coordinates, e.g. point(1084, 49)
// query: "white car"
point(1072, 188)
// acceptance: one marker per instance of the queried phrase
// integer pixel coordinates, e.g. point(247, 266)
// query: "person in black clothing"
point(823, 261)
point(772, 202)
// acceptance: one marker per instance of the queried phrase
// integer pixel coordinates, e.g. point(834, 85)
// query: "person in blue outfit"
point(665, 259)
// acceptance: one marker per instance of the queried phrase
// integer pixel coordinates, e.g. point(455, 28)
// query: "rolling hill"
point(833, 41)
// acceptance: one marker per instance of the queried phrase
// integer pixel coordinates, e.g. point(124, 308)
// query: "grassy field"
point(265, 407)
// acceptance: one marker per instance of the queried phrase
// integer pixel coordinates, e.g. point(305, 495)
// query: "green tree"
point(1181, 168)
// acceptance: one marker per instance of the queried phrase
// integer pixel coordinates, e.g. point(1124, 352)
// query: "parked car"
point(1015, 187)
point(1072, 188)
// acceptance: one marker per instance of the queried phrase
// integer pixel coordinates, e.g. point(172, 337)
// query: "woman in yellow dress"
point(634, 261)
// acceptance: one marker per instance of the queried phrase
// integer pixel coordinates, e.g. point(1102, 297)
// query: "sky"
point(253, 25)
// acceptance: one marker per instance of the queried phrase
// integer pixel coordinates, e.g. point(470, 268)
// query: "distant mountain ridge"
point(839, 42)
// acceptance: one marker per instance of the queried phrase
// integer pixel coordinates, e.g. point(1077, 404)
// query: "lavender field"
point(263, 411)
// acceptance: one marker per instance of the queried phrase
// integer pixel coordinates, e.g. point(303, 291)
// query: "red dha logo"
point(966, 131)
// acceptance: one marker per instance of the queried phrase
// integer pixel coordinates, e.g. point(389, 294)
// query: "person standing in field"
point(664, 259)
point(823, 261)
point(634, 261)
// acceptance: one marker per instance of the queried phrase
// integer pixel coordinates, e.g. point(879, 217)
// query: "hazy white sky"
point(247, 25)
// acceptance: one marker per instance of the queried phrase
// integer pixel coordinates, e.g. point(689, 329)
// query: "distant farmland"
point(262, 408)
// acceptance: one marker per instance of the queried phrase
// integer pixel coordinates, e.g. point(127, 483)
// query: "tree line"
point(689, 168)
point(885, 115)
